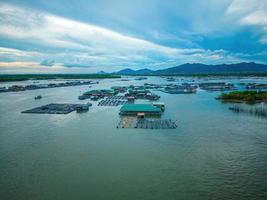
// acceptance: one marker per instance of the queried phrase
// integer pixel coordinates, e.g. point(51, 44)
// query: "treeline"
point(24, 77)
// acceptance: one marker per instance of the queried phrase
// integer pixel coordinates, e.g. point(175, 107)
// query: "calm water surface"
point(213, 154)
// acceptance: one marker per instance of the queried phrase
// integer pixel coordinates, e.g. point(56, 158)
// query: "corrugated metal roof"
point(139, 108)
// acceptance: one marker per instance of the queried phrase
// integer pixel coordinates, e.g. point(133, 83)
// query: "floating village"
point(18, 88)
point(132, 114)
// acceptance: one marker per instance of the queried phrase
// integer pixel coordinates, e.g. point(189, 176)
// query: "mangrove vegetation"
point(244, 96)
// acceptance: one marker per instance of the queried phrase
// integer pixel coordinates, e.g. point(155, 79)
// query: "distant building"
point(3, 89)
point(16, 88)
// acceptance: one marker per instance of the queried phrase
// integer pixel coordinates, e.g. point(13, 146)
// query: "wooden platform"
point(55, 108)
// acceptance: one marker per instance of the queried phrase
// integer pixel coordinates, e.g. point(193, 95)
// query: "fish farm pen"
point(155, 124)
point(55, 108)
point(117, 98)
point(113, 101)
point(147, 123)
point(260, 111)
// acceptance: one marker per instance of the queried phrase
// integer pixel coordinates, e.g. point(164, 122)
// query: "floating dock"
point(55, 108)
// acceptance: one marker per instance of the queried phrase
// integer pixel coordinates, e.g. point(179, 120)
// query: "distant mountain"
point(101, 72)
point(143, 71)
point(126, 71)
point(198, 68)
point(129, 71)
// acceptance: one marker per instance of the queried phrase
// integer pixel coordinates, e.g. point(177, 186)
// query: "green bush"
point(247, 96)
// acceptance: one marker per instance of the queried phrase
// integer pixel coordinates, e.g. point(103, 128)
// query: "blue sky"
point(84, 36)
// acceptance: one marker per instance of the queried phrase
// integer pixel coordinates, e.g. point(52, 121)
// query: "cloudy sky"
point(71, 36)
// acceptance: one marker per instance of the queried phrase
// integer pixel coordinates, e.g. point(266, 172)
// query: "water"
point(213, 154)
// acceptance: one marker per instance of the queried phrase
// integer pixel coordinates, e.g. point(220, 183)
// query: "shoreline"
point(26, 77)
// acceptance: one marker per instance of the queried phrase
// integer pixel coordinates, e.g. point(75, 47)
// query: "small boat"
point(170, 79)
point(38, 97)
point(82, 97)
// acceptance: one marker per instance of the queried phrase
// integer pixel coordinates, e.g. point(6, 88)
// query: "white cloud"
point(55, 31)
point(15, 54)
point(252, 13)
point(71, 42)
point(239, 7)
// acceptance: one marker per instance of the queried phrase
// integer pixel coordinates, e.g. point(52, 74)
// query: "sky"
point(87, 36)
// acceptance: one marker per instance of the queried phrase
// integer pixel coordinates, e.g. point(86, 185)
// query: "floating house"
point(256, 86)
point(140, 109)
point(16, 88)
point(219, 86)
point(97, 94)
point(179, 89)
point(153, 86)
point(142, 93)
point(119, 89)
